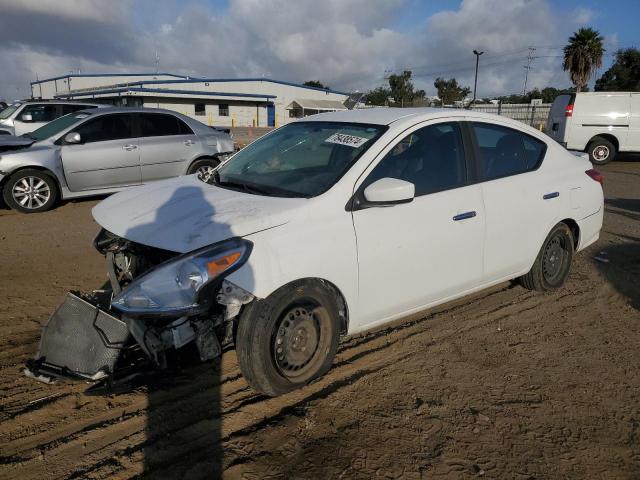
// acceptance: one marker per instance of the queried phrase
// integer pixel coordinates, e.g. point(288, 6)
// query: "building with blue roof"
point(221, 102)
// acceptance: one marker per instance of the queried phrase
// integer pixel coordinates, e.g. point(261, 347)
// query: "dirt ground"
point(504, 384)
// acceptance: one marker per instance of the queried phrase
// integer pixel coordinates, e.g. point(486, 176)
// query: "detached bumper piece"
point(80, 340)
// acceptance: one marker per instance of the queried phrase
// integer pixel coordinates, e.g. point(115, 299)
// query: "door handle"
point(548, 196)
point(128, 147)
point(464, 216)
point(188, 143)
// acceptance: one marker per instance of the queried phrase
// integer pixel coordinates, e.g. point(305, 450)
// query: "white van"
point(24, 117)
point(599, 123)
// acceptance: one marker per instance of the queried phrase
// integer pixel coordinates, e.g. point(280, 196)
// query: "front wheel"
point(552, 265)
point(601, 151)
point(30, 191)
point(290, 338)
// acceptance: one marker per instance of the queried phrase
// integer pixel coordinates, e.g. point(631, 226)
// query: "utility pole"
point(475, 83)
point(157, 62)
point(528, 67)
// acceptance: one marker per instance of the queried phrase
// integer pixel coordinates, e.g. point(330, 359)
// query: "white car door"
point(430, 249)
point(633, 139)
point(521, 201)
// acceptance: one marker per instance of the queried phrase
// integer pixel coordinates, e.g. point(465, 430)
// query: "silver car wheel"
point(31, 192)
point(205, 172)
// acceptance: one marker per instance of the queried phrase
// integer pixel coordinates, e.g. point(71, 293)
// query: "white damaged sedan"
point(325, 227)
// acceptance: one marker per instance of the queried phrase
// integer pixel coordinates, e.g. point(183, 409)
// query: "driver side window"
point(432, 158)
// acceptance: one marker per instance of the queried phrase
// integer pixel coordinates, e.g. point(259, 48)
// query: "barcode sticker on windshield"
point(348, 140)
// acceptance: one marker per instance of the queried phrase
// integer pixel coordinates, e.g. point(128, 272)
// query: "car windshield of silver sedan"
point(56, 126)
point(302, 159)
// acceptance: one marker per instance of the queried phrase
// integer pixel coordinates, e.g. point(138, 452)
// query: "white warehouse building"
point(220, 102)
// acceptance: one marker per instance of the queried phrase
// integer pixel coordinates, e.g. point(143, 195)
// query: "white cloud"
point(347, 45)
point(582, 15)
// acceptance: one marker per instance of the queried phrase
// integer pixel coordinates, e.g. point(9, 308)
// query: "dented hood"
point(184, 213)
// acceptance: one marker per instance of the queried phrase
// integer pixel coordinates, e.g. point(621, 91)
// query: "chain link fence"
point(534, 115)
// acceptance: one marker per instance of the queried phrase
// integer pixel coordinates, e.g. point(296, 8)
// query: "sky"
point(349, 45)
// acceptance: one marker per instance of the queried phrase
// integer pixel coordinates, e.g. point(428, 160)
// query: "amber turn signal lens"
point(216, 267)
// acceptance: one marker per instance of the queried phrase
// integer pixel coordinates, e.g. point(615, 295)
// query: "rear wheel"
point(204, 168)
point(601, 151)
point(552, 265)
point(30, 191)
point(290, 338)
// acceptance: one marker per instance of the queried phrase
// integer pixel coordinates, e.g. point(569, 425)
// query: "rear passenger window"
point(431, 158)
point(504, 151)
point(158, 125)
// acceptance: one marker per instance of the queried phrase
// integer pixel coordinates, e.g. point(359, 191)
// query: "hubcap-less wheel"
point(297, 339)
point(205, 173)
point(601, 153)
point(555, 256)
point(31, 192)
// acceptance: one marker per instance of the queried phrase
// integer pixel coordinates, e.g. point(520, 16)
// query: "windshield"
point(302, 159)
point(56, 126)
point(7, 112)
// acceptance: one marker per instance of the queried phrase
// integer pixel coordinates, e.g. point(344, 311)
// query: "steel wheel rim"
point(297, 340)
point(601, 152)
point(205, 172)
point(554, 258)
point(31, 192)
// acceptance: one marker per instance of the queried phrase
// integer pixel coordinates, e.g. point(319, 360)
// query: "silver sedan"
point(95, 152)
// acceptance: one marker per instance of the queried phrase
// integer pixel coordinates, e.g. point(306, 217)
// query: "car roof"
point(110, 109)
point(405, 117)
point(387, 116)
point(61, 102)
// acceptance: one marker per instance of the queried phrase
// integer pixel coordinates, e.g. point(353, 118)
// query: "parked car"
point(599, 123)
point(24, 117)
point(94, 152)
point(328, 226)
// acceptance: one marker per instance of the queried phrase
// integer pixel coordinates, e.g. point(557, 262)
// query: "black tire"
point(601, 151)
point(30, 191)
point(553, 263)
point(203, 167)
point(273, 335)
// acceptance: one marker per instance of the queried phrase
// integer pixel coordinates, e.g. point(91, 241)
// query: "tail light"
point(596, 175)
point(568, 111)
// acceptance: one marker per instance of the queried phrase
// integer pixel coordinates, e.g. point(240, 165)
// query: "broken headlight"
point(173, 287)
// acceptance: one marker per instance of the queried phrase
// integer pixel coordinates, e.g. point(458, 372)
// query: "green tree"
point(449, 91)
point(583, 55)
point(624, 74)
point(402, 89)
point(378, 96)
point(315, 83)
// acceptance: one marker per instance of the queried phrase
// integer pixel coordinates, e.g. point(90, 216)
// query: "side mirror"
point(26, 117)
point(72, 137)
point(389, 191)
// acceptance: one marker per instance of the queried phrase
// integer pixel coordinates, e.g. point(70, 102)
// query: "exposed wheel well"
point(204, 157)
point(33, 167)
point(575, 230)
point(606, 136)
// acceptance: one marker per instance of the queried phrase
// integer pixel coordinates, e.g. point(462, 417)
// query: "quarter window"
point(431, 158)
point(106, 127)
point(504, 151)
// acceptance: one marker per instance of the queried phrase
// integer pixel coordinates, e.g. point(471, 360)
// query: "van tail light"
point(596, 175)
point(568, 112)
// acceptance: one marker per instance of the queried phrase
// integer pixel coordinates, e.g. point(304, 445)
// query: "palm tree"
point(583, 55)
